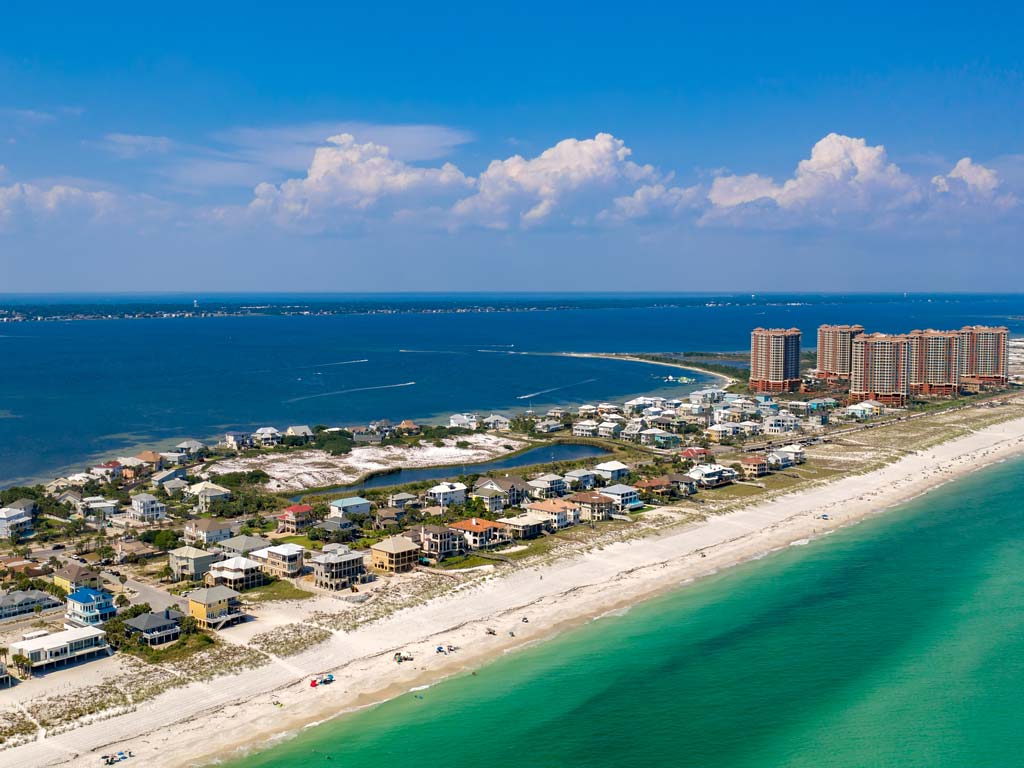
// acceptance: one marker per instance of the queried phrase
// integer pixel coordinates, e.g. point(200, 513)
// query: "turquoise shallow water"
point(897, 642)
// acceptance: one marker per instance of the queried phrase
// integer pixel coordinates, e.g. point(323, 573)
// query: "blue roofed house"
point(88, 607)
point(353, 505)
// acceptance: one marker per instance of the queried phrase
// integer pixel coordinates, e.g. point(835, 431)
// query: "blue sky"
point(588, 146)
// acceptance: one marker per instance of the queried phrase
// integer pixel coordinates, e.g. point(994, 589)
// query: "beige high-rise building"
point(983, 357)
point(835, 347)
point(934, 362)
point(879, 364)
point(775, 359)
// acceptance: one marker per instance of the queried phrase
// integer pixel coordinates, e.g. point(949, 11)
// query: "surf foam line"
point(346, 391)
point(554, 389)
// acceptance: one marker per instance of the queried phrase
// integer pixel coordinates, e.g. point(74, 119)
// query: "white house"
point(781, 423)
point(612, 471)
point(14, 522)
point(712, 475)
point(61, 647)
point(794, 452)
point(189, 447)
point(625, 496)
point(147, 508)
point(266, 437)
point(585, 428)
point(464, 421)
point(205, 493)
point(446, 494)
point(609, 429)
point(498, 422)
point(492, 499)
point(547, 486)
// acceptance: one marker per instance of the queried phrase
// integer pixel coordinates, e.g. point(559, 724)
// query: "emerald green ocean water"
point(897, 642)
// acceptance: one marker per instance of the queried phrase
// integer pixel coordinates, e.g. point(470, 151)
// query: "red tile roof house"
point(296, 518)
point(754, 466)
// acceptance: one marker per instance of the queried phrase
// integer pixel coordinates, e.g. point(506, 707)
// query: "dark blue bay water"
point(72, 391)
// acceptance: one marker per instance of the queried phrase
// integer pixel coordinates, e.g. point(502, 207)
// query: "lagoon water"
point(897, 642)
point(78, 390)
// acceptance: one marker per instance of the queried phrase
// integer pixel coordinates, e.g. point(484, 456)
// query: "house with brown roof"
point(153, 459)
point(654, 486)
point(436, 541)
point(481, 534)
point(73, 577)
point(754, 466)
point(562, 512)
point(408, 427)
point(592, 505)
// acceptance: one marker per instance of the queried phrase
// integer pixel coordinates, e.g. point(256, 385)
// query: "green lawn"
point(276, 590)
point(180, 649)
point(302, 540)
point(465, 561)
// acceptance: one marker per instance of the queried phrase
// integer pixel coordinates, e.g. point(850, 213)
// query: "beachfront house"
point(284, 561)
point(87, 607)
point(339, 569)
point(492, 499)
point(15, 523)
point(437, 542)
point(481, 534)
point(59, 648)
point(683, 484)
point(299, 432)
point(207, 531)
point(624, 497)
point(396, 554)
point(794, 452)
point(712, 475)
point(266, 437)
point(592, 505)
point(754, 466)
point(238, 573)
point(528, 525)
point(190, 563)
point(295, 519)
point(147, 508)
point(238, 441)
point(351, 505)
point(447, 494)
point(463, 421)
point(74, 576)
point(562, 512)
point(190, 447)
point(612, 471)
point(108, 471)
point(19, 602)
point(547, 486)
point(515, 488)
point(498, 422)
point(155, 628)
point(215, 607)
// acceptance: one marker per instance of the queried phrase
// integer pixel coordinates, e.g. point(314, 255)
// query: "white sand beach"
point(216, 720)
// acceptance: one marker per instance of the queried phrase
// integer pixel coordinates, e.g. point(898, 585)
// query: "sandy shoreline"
point(214, 720)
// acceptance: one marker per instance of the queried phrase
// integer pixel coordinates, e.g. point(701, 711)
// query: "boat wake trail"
point(346, 391)
point(553, 389)
point(343, 362)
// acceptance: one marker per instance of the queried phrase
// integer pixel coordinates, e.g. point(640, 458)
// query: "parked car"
point(55, 547)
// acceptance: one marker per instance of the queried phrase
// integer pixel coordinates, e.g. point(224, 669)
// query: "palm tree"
point(22, 663)
point(122, 578)
point(3, 653)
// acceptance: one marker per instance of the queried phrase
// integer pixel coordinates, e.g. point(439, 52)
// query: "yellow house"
point(394, 554)
point(215, 607)
point(74, 576)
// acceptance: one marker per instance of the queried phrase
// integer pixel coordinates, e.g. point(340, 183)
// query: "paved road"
point(158, 599)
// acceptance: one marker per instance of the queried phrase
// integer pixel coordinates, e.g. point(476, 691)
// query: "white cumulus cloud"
point(21, 202)
point(347, 177)
point(842, 174)
point(568, 177)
